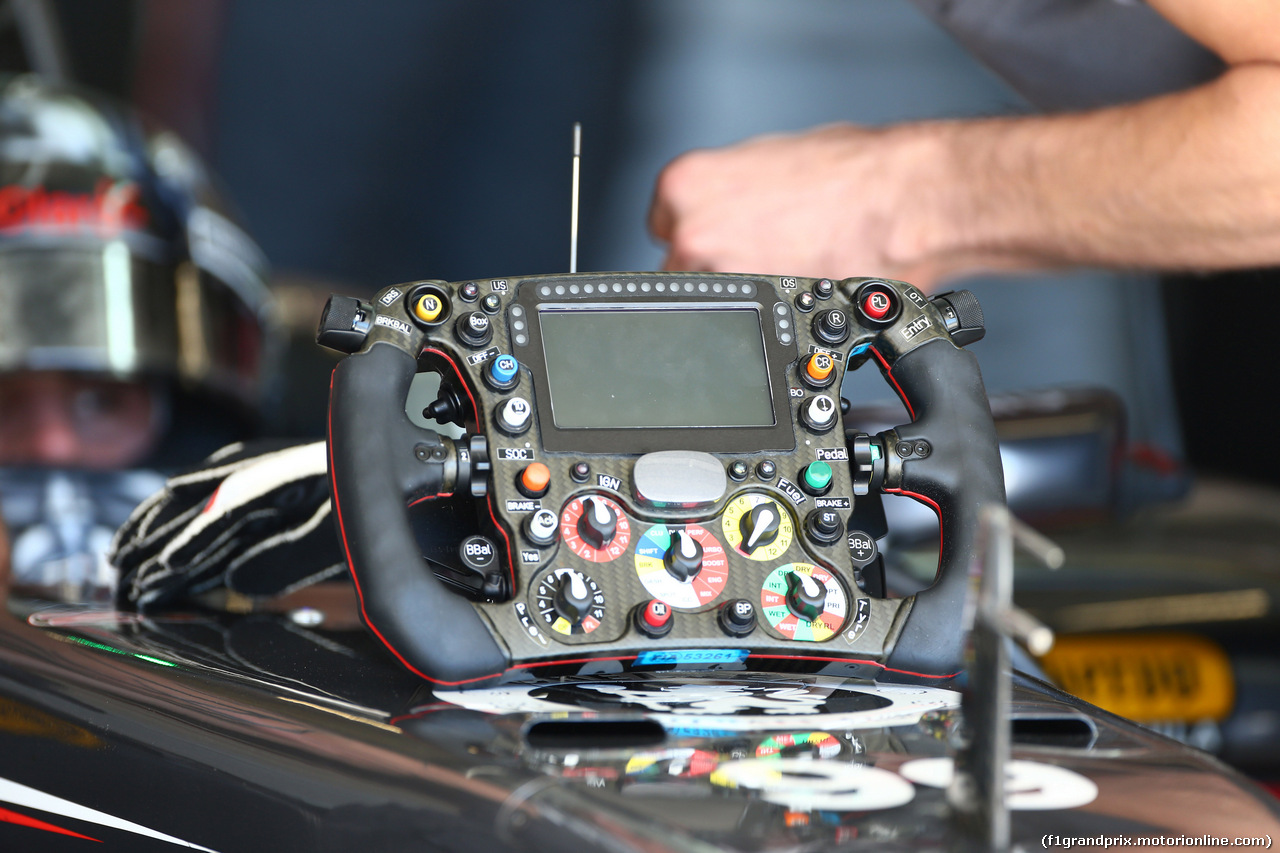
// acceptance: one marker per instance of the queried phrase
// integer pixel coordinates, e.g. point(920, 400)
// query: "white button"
point(821, 411)
point(516, 413)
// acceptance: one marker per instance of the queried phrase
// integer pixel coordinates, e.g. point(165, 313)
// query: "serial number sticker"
point(1150, 678)
point(691, 656)
point(482, 356)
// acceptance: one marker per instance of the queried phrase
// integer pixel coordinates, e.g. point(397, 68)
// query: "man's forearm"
point(1185, 181)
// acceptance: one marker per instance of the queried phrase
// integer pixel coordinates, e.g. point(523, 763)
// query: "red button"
point(657, 613)
point(877, 305)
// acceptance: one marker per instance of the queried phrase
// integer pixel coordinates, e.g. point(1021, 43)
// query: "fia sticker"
point(390, 296)
point(915, 327)
point(604, 481)
point(861, 617)
point(482, 356)
point(392, 323)
point(833, 454)
point(787, 283)
point(498, 285)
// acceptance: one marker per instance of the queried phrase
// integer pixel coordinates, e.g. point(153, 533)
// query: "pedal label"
point(833, 454)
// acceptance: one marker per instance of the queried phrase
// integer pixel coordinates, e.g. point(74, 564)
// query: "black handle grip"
point(962, 474)
point(428, 628)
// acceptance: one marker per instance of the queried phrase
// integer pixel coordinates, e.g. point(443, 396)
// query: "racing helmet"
point(119, 259)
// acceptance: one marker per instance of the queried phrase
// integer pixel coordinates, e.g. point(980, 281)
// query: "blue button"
point(504, 369)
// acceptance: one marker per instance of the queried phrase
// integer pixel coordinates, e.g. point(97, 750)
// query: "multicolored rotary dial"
point(757, 527)
point(595, 528)
point(799, 745)
point(804, 602)
point(658, 553)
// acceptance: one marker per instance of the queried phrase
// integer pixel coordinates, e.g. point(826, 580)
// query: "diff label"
point(835, 356)
point(482, 356)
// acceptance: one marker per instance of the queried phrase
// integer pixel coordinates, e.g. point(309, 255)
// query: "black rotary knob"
point(760, 525)
point(598, 523)
point(473, 329)
point(572, 599)
point(806, 598)
point(683, 559)
point(832, 326)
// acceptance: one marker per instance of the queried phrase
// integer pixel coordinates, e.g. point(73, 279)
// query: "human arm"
point(1184, 181)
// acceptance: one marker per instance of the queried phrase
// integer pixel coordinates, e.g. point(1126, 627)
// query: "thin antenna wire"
point(573, 210)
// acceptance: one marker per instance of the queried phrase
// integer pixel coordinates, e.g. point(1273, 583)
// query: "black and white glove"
point(251, 519)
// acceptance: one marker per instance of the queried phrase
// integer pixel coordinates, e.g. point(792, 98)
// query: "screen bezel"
point(780, 436)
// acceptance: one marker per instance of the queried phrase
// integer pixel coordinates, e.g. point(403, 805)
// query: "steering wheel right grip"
point(962, 474)
point(378, 459)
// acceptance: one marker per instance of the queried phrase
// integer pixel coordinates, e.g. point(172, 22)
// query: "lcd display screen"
point(618, 368)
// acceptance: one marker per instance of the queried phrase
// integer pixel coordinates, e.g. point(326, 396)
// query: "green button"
point(818, 475)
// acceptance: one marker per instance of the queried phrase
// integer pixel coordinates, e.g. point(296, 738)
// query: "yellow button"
point(819, 366)
point(428, 308)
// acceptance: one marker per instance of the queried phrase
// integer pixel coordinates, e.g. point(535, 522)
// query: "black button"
point(824, 289)
point(738, 470)
point(477, 552)
point(923, 449)
point(862, 548)
point(470, 291)
point(473, 329)
point(904, 449)
point(766, 470)
point(805, 301)
point(738, 617)
point(831, 326)
point(491, 304)
point(580, 472)
point(824, 526)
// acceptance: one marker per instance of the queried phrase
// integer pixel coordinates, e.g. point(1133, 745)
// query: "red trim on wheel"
point(23, 820)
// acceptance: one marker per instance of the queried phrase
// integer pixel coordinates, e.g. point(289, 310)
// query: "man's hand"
point(1188, 181)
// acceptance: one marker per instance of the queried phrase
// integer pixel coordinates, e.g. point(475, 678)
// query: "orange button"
point(535, 478)
point(819, 366)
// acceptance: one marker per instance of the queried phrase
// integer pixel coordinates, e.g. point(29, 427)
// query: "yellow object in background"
point(1149, 678)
